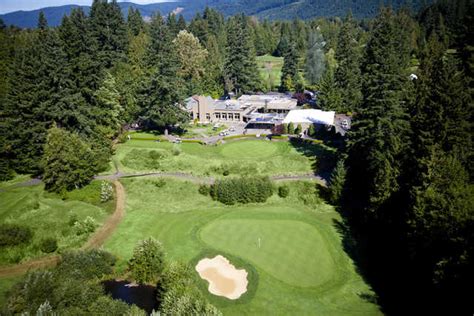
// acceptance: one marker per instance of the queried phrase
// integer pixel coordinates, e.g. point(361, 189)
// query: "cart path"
point(95, 241)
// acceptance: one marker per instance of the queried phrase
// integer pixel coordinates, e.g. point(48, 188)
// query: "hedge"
point(242, 190)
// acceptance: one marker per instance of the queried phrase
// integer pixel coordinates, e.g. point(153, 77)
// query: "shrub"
point(86, 265)
point(283, 191)
point(87, 226)
point(106, 191)
point(12, 235)
point(291, 128)
point(159, 183)
point(308, 193)
point(242, 190)
point(176, 151)
point(48, 245)
point(72, 219)
point(298, 129)
point(226, 173)
point(147, 261)
point(204, 189)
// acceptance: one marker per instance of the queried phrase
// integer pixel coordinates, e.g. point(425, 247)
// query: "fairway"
point(252, 149)
point(300, 265)
point(243, 157)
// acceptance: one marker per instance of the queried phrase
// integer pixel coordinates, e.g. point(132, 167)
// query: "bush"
point(86, 265)
point(159, 183)
point(72, 219)
point(12, 235)
point(226, 173)
point(308, 193)
point(176, 151)
point(87, 226)
point(204, 190)
point(48, 245)
point(242, 190)
point(283, 191)
point(106, 191)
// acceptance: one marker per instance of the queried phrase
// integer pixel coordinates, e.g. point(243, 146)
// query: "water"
point(144, 296)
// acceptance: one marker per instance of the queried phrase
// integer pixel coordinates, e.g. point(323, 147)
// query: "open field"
point(291, 250)
point(270, 70)
point(49, 215)
point(248, 157)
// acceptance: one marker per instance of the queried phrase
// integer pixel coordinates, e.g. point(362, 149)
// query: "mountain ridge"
point(271, 9)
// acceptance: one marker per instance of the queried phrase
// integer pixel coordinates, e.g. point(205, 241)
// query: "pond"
point(144, 296)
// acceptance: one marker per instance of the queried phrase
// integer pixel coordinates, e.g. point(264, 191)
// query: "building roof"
point(282, 104)
point(229, 105)
point(310, 116)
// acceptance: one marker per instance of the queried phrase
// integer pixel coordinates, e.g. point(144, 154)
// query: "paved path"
point(95, 241)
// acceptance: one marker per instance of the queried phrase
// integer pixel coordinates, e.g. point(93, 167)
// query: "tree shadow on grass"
point(325, 157)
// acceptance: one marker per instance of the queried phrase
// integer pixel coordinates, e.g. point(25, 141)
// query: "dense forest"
point(403, 181)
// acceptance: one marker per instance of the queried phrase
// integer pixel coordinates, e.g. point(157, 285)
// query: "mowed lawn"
point(244, 157)
point(293, 248)
point(49, 215)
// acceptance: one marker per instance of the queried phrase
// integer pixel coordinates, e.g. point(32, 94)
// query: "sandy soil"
point(224, 279)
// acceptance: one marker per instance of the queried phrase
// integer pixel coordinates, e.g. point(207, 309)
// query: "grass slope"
point(246, 157)
point(270, 70)
point(48, 215)
point(301, 266)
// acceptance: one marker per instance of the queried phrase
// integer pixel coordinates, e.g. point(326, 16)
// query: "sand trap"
point(224, 279)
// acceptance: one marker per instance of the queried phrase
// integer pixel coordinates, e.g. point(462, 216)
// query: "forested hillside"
point(403, 180)
point(268, 9)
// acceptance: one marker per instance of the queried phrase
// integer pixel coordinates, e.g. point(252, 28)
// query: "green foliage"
point(85, 227)
point(311, 130)
point(49, 245)
point(159, 183)
point(147, 262)
point(337, 183)
point(308, 193)
point(315, 58)
point(12, 235)
point(291, 128)
point(86, 265)
point(242, 190)
point(204, 189)
point(283, 191)
point(68, 161)
point(106, 191)
point(285, 128)
point(289, 72)
point(298, 129)
point(179, 294)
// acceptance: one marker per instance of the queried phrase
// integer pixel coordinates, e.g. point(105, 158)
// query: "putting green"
point(291, 251)
point(249, 149)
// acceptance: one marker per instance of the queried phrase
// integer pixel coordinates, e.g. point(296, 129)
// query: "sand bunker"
point(224, 279)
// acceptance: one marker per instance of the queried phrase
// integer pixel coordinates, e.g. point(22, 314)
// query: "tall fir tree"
point(290, 71)
point(135, 21)
point(348, 75)
point(240, 68)
point(379, 136)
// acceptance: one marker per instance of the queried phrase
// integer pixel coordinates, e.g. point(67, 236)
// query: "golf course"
point(289, 247)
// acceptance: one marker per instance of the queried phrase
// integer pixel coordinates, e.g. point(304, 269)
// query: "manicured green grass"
point(48, 215)
point(17, 179)
point(300, 265)
point(270, 69)
point(243, 157)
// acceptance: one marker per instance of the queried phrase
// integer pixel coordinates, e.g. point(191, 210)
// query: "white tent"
point(310, 116)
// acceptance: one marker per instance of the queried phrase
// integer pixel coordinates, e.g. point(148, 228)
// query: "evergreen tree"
point(289, 72)
point(315, 58)
point(68, 161)
point(135, 21)
point(172, 24)
point(213, 83)
point(181, 23)
point(42, 22)
point(348, 75)
point(337, 182)
point(378, 139)
point(329, 97)
point(240, 68)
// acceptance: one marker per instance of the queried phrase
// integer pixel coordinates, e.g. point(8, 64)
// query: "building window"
point(230, 116)
point(208, 116)
point(218, 115)
point(237, 117)
point(224, 116)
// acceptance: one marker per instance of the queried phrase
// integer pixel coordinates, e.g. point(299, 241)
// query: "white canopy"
point(310, 116)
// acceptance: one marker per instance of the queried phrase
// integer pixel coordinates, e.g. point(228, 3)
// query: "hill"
point(271, 9)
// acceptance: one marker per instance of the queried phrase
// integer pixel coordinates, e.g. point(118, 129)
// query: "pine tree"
point(42, 22)
point(315, 58)
point(337, 182)
point(181, 23)
point(348, 75)
point(329, 97)
point(240, 67)
point(378, 139)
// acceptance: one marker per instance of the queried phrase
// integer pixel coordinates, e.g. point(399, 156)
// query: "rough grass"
point(270, 69)
point(48, 215)
point(5, 286)
point(301, 266)
point(243, 157)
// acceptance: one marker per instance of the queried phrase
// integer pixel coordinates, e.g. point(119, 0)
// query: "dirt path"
point(95, 241)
